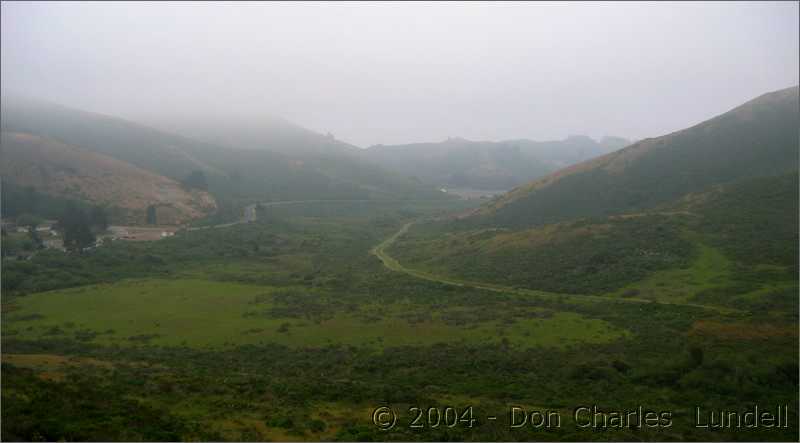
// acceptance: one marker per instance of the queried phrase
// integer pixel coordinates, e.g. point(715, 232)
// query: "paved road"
point(392, 263)
point(248, 217)
point(250, 213)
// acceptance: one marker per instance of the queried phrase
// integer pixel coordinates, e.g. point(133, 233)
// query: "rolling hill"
point(336, 165)
point(748, 225)
point(264, 132)
point(758, 138)
point(234, 175)
point(460, 163)
point(153, 150)
point(679, 214)
point(68, 172)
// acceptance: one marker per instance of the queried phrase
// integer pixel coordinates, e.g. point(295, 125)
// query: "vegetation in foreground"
point(289, 329)
point(744, 234)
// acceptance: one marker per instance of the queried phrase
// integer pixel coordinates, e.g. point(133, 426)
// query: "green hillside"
point(460, 163)
point(60, 170)
point(750, 224)
point(156, 151)
point(725, 190)
point(255, 131)
point(233, 175)
point(758, 138)
point(690, 301)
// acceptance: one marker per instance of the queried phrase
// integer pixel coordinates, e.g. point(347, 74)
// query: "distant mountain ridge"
point(457, 162)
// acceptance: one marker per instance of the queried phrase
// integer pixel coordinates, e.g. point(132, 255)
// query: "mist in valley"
point(384, 221)
point(397, 73)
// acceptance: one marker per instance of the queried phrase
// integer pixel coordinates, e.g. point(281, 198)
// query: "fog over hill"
point(399, 221)
point(311, 166)
point(758, 138)
point(75, 173)
point(729, 183)
point(396, 73)
point(486, 165)
point(257, 131)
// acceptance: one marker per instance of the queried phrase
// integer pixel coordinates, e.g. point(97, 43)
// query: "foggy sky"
point(400, 73)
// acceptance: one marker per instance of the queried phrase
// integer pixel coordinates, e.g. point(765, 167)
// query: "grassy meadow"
point(212, 315)
point(291, 328)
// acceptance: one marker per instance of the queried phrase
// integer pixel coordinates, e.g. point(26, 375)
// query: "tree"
point(151, 215)
point(76, 226)
point(98, 218)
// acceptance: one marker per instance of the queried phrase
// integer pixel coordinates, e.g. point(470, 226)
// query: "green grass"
point(209, 314)
point(582, 257)
point(710, 268)
point(364, 330)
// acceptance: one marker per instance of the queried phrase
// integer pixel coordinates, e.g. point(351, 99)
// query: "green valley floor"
point(308, 323)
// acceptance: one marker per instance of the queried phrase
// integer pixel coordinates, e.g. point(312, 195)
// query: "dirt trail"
point(250, 212)
point(394, 265)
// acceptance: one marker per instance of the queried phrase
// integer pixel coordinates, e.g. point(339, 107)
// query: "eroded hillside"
point(63, 170)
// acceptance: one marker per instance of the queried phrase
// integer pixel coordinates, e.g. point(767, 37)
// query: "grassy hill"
point(334, 165)
point(690, 301)
point(751, 224)
point(256, 132)
point(233, 175)
point(147, 148)
point(460, 163)
point(724, 191)
point(758, 138)
point(68, 172)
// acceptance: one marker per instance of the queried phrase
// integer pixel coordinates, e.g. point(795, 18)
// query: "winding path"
point(250, 212)
point(393, 264)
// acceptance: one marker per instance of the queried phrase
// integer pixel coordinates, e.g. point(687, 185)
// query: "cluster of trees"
point(78, 220)
point(77, 223)
point(79, 226)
